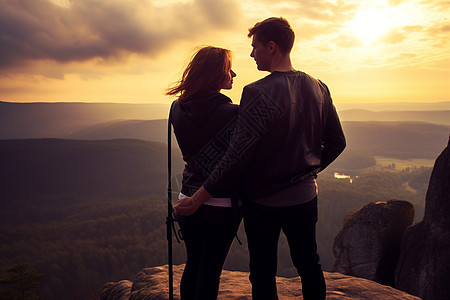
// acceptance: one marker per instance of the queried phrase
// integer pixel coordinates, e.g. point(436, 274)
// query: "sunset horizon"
point(389, 51)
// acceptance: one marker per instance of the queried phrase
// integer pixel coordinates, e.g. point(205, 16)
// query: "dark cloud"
point(33, 30)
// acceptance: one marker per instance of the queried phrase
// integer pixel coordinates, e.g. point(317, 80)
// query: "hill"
point(150, 130)
point(394, 106)
point(49, 167)
point(429, 116)
point(391, 139)
point(59, 120)
point(119, 120)
point(83, 211)
point(396, 139)
point(97, 208)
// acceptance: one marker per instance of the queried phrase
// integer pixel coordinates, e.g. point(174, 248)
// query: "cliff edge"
point(152, 283)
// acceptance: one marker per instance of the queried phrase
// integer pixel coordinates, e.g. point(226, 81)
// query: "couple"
point(266, 153)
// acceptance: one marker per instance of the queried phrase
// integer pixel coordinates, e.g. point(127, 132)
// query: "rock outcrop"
point(151, 283)
point(423, 267)
point(117, 290)
point(368, 244)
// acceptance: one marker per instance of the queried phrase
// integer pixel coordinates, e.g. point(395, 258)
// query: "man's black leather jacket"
point(287, 127)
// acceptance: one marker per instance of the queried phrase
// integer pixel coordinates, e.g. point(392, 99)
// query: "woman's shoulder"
point(226, 103)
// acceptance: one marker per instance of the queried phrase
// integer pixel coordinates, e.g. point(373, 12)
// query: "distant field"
point(401, 164)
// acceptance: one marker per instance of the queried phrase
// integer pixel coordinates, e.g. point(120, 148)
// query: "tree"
point(21, 283)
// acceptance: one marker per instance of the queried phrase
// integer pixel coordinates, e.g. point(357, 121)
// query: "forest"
point(83, 213)
point(83, 189)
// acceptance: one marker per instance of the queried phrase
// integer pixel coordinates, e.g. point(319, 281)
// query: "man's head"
point(270, 35)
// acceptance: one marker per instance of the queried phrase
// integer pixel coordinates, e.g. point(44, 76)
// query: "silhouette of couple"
point(258, 160)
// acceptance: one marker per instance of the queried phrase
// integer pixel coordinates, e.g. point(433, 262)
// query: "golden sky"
point(131, 50)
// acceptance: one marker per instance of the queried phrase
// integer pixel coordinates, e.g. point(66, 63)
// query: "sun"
point(371, 22)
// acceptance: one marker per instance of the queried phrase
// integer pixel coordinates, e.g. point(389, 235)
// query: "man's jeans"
point(262, 226)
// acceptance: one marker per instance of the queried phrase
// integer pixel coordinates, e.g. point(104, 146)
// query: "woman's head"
point(208, 71)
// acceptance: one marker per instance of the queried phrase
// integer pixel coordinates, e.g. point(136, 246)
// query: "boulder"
point(151, 283)
point(117, 290)
point(368, 244)
point(423, 268)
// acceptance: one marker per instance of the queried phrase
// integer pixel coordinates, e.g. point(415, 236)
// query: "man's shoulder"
point(260, 83)
point(276, 77)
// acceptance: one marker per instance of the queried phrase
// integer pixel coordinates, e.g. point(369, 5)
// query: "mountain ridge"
point(429, 116)
point(62, 119)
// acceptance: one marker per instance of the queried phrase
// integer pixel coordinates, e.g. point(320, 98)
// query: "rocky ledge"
point(152, 283)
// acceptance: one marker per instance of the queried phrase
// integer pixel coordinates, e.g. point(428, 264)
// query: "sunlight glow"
point(376, 18)
point(371, 22)
point(62, 3)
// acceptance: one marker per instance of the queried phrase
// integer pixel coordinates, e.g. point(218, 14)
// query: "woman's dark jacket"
point(203, 125)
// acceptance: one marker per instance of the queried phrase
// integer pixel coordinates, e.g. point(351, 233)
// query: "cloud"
point(394, 36)
point(347, 41)
point(323, 13)
point(33, 30)
point(314, 18)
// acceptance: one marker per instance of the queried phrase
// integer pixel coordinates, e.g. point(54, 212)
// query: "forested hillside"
point(149, 130)
point(402, 140)
point(83, 212)
point(65, 167)
point(87, 212)
point(396, 139)
point(121, 120)
point(59, 120)
point(91, 209)
point(428, 116)
point(392, 139)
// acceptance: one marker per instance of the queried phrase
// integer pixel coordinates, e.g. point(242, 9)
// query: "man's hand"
point(188, 206)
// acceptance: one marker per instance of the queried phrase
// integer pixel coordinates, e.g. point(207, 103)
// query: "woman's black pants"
point(208, 235)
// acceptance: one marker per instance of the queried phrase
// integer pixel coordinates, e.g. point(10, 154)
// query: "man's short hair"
point(274, 29)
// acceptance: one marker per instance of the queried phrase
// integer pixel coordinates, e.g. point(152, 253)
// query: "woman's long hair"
point(206, 72)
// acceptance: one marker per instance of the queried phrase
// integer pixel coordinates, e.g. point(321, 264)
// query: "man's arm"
point(242, 145)
point(333, 138)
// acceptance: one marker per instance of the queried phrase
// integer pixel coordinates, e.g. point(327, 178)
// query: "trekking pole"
point(169, 219)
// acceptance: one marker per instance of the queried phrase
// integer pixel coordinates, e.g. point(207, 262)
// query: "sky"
point(132, 50)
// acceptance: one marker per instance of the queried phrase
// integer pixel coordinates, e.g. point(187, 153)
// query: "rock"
point(437, 203)
point(151, 283)
point(117, 290)
point(423, 267)
point(368, 244)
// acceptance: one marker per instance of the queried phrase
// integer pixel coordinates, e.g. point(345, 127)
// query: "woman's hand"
point(186, 206)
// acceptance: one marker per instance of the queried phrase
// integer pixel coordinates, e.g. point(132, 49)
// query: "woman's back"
point(202, 126)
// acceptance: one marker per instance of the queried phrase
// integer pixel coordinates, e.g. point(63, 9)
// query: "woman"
point(202, 119)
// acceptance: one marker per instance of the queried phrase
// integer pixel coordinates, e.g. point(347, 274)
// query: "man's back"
point(287, 115)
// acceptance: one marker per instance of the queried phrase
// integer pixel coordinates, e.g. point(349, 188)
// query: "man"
point(287, 131)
